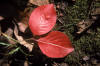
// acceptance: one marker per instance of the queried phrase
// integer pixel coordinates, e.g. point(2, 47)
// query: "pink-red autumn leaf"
point(42, 19)
point(55, 45)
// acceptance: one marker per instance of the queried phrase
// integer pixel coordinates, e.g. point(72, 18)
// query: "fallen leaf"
point(84, 25)
point(55, 45)
point(60, 64)
point(96, 11)
point(39, 2)
point(22, 26)
point(64, 64)
point(23, 18)
point(21, 40)
point(42, 19)
point(85, 58)
point(9, 32)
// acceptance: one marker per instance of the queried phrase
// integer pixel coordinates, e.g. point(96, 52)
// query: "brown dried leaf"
point(21, 40)
point(9, 32)
point(60, 64)
point(64, 64)
point(85, 58)
point(83, 25)
point(39, 2)
point(24, 17)
point(22, 26)
point(96, 11)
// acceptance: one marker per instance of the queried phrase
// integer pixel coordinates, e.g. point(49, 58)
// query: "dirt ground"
point(79, 19)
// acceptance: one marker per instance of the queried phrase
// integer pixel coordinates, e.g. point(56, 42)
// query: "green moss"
point(87, 44)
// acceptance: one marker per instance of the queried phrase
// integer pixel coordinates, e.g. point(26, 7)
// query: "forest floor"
point(79, 19)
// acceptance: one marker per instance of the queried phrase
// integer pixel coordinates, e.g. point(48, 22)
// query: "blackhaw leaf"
point(42, 19)
point(55, 45)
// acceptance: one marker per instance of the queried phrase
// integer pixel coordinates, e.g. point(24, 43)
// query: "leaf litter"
point(21, 40)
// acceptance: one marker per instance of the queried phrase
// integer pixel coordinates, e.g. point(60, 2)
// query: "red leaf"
point(42, 19)
point(56, 45)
